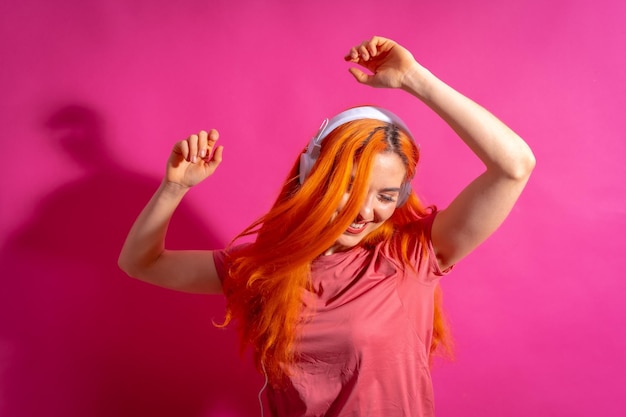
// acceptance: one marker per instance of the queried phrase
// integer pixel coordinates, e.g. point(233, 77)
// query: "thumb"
point(216, 159)
point(360, 76)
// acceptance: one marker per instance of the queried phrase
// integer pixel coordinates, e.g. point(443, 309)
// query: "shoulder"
point(223, 257)
point(412, 244)
point(419, 228)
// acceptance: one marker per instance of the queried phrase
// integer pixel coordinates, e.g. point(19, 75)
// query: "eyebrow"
point(390, 190)
point(384, 190)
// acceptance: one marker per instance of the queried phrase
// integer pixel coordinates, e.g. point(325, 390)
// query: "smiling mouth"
point(356, 228)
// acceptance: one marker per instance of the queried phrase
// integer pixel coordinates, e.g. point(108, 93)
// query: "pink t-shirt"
point(365, 350)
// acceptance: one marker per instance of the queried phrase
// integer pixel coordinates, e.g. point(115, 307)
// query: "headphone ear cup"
point(306, 163)
point(403, 195)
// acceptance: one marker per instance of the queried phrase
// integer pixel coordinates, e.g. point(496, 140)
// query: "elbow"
point(530, 162)
point(123, 265)
point(522, 166)
point(527, 165)
point(127, 266)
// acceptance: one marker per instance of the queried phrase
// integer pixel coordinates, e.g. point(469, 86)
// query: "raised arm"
point(484, 204)
point(143, 255)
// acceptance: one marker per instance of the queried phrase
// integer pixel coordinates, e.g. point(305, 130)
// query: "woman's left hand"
point(388, 61)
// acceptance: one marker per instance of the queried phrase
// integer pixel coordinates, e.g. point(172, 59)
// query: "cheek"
point(343, 202)
point(341, 205)
point(386, 212)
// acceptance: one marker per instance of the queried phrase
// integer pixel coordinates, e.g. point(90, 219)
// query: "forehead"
point(388, 170)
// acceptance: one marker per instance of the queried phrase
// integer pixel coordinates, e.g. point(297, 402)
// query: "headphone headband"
point(307, 159)
point(359, 113)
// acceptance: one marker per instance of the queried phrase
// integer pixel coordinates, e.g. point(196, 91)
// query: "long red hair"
point(267, 277)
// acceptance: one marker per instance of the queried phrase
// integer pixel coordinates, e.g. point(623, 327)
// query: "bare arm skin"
point(458, 229)
point(484, 203)
point(143, 255)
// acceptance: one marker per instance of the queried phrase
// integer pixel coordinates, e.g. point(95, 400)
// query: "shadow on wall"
point(84, 339)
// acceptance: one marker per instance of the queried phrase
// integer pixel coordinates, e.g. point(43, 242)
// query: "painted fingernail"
point(194, 159)
point(203, 153)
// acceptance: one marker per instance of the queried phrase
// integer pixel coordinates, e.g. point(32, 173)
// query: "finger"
point(363, 52)
point(359, 75)
point(217, 155)
point(353, 55)
point(381, 44)
point(193, 148)
point(181, 148)
point(372, 46)
point(215, 160)
point(203, 139)
point(212, 137)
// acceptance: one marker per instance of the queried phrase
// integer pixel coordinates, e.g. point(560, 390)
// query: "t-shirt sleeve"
point(420, 249)
point(432, 257)
point(219, 258)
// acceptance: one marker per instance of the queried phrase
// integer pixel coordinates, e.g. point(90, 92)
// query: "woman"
point(337, 293)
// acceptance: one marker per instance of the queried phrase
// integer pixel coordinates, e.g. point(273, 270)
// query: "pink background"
point(93, 95)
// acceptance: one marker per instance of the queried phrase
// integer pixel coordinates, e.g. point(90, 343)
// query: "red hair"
point(267, 277)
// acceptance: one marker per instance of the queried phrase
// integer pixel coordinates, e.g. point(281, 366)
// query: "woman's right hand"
point(388, 62)
point(194, 159)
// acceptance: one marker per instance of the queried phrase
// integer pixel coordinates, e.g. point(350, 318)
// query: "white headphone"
point(308, 158)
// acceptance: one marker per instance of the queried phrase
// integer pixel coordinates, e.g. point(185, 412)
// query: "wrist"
point(173, 189)
point(418, 81)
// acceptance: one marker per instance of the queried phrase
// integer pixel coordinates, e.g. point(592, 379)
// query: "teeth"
point(357, 225)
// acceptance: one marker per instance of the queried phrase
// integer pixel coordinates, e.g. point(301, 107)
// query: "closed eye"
point(386, 198)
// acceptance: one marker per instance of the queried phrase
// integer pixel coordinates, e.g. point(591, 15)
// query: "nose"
point(367, 210)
